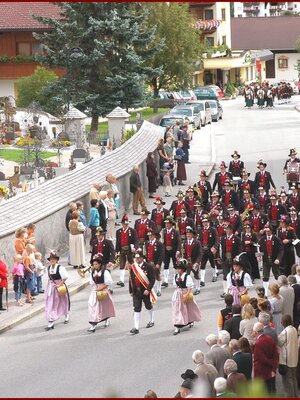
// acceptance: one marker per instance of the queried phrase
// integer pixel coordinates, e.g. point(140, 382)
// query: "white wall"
point(224, 29)
point(7, 87)
point(290, 73)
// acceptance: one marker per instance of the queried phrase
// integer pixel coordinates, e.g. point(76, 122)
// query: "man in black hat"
point(221, 177)
point(154, 253)
point(235, 219)
point(236, 165)
point(103, 246)
point(159, 214)
point(245, 183)
point(209, 239)
point(287, 235)
point(291, 164)
point(229, 196)
point(274, 212)
point(204, 186)
point(192, 252)
point(258, 220)
point(171, 241)
point(142, 226)
point(272, 248)
point(262, 198)
point(215, 207)
point(199, 212)
point(294, 197)
point(126, 243)
point(192, 195)
point(263, 178)
point(182, 222)
point(186, 388)
point(247, 202)
point(295, 224)
point(140, 293)
point(284, 200)
point(178, 205)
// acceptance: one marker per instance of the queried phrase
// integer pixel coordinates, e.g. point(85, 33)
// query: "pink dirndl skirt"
point(100, 310)
point(234, 291)
point(184, 313)
point(55, 306)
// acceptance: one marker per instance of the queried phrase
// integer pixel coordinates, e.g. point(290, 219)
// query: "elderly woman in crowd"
point(112, 215)
point(207, 373)
point(277, 304)
point(76, 241)
point(20, 241)
point(181, 171)
point(151, 175)
point(247, 323)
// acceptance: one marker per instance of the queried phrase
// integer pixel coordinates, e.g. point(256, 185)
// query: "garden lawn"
point(17, 155)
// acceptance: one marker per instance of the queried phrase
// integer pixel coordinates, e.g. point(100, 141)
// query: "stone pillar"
point(116, 125)
point(75, 127)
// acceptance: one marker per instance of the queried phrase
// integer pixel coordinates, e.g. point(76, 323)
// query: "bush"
point(229, 90)
point(128, 134)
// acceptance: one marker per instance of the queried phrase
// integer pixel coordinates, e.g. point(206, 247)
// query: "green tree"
point(182, 47)
point(109, 68)
point(34, 88)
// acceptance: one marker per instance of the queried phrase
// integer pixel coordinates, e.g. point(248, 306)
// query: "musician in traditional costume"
point(199, 213)
point(103, 246)
point(245, 184)
point(249, 246)
point(221, 225)
point(209, 239)
point(100, 304)
point(126, 244)
point(274, 212)
point(248, 202)
point(294, 221)
point(229, 196)
point(171, 242)
point(260, 98)
point(235, 220)
point(269, 96)
point(258, 220)
point(182, 222)
point(263, 178)
point(272, 248)
point(159, 214)
point(141, 282)
point(205, 187)
point(292, 168)
point(192, 252)
point(142, 226)
point(215, 207)
point(57, 300)
point(185, 310)
point(178, 205)
point(191, 198)
point(236, 166)
point(221, 177)
point(294, 197)
point(238, 282)
point(231, 247)
point(154, 253)
point(262, 198)
point(249, 97)
point(287, 235)
point(284, 200)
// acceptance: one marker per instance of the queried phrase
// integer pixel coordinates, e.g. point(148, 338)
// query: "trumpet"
point(83, 271)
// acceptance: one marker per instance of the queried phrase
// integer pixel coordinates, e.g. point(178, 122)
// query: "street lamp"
point(72, 54)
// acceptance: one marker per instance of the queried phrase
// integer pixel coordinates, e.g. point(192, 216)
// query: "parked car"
point(204, 109)
point(188, 95)
point(216, 110)
point(192, 114)
point(217, 90)
point(205, 93)
point(170, 120)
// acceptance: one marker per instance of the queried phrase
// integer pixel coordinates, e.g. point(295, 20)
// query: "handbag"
point(282, 368)
point(177, 157)
point(102, 294)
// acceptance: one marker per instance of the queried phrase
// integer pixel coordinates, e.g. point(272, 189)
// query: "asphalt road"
point(69, 362)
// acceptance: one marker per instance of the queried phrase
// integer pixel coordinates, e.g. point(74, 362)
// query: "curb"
point(39, 308)
point(213, 152)
point(297, 107)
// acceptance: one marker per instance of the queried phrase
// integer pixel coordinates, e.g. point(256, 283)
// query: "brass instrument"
point(197, 191)
point(83, 271)
point(245, 213)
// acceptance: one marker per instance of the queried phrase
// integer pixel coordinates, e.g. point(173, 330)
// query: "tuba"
point(83, 271)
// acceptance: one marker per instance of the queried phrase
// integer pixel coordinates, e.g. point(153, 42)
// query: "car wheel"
point(221, 116)
point(204, 123)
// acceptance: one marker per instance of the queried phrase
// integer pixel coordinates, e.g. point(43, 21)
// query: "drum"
point(102, 295)
point(62, 290)
point(293, 172)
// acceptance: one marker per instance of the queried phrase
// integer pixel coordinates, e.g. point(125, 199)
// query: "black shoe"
point(42, 291)
point(91, 329)
point(34, 294)
point(164, 284)
point(120, 283)
point(191, 324)
point(2, 309)
point(202, 283)
point(150, 324)
point(134, 331)
point(158, 294)
point(75, 266)
point(66, 321)
point(49, 327)
point(176, 332)
point(197, 291)
point(214, 279)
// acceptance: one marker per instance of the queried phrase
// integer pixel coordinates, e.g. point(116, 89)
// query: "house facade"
point(264, 9)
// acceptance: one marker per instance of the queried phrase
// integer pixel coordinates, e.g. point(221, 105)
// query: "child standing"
point(39, 272)
point(18, 276)
point(3, 282)
point(167, 185)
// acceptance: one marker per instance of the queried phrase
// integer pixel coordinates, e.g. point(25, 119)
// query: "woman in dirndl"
point(185, 310)
point(101, 306)
point(57, 300)
point(238, 282)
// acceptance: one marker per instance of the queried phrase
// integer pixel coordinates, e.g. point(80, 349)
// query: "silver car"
point(192, 113)
point(204, 110)
point(216, 110)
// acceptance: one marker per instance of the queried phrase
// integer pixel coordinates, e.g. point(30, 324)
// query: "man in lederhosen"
point(142, 226)
point(235, 220)
point(171, 241)
point(294, 197)
point(199, 213)
point(287, 235)
point(191, 198)
point(205, 187)
point(245, 184)
point(263, 199)
point(231, 247)
point(221, 177)
point(178, 205)
point(103, 246)
point(236, 166)
point(182, 222)
point(274, 212)
point(126, 243)
point(263, 178)
point(159, 214)
point(272, 248)
point(209, 238)
point(229, 196)
point(139, 293)
point(284, 200)
point(154, 253)
point(258, 220)
point(215, 207)
point(192, 252)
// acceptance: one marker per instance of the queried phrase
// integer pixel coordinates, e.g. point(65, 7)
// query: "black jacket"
point(149, 271)
point(233, 326)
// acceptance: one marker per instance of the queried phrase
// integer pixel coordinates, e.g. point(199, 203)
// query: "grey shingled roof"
point(118, 112)
point(55, 194)
point(74, 113)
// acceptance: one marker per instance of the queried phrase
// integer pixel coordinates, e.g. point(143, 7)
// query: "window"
point(211, 41)
point(36, 48)
point(208, 14)
point(24, 49)
point(223, 39)
point(283, 62)
point(223, 14)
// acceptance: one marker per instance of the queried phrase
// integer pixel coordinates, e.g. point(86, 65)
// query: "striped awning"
point(208, 25)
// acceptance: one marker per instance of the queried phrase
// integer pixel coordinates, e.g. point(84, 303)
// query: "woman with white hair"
point(207, 373)
point(220, 386)
point(224, 339)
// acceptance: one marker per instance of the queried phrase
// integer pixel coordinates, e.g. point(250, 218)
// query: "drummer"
point(292, 168)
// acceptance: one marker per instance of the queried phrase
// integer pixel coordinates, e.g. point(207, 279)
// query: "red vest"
point(262, 180)
point(273, 213)
point(183, 225)
point(188, 249)
point(142, 230)
point(150, 252)
point(205, 237)
point(124, 238)
point(159, 218)
point(269, 247)
point(191, 202)
point(220, 230)
point(223, 178)
point(295, 201)
point(262, 200)
point(178, 207)
point(198, 217)
point(247, 238)
point(100, 247)
point(169, 238)
point(256, 224)
point(227, 199)
point(229, 244)
point(294, 224)
point(283, 234)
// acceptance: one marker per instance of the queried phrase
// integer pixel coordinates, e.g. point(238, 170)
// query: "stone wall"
point(47, 205)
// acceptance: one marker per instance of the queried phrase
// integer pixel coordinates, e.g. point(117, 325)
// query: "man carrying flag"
point(141, 282)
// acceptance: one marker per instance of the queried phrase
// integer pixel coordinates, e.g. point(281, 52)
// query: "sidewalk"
point(202, 156)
